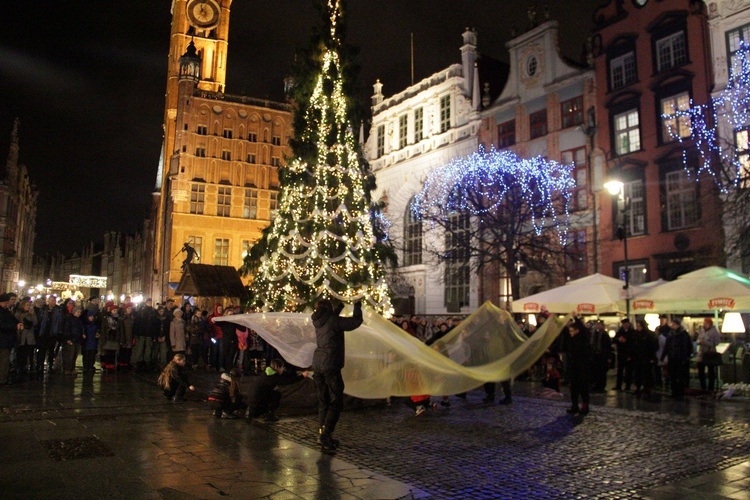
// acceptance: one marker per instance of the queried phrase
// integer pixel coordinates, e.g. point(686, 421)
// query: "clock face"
point(203, 13)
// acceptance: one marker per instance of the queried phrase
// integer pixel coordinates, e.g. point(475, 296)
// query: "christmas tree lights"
point(323, 243)
point(719, 156)
point(484, 183)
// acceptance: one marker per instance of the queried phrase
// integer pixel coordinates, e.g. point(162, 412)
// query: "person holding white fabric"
point(328, 360)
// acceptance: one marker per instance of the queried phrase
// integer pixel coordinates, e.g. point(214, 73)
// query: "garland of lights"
point(732, 107)
point(489, 176)
point(321, 244)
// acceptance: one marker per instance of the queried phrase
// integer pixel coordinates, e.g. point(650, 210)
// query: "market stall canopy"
point(705, 290)
point(204, 280)
point(595, 294)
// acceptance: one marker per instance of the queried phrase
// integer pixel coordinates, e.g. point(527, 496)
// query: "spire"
point(11, 165)
point(190, 64)
point(475, 98)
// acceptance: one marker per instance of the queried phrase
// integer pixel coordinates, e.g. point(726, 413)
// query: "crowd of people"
point(41, 336)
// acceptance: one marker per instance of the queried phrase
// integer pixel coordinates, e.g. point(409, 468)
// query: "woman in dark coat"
point(578, 342)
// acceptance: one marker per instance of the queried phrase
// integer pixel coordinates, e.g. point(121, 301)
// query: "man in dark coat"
point(328, 360)
point(579, 365)
point(9, 328)
point(624, 343)
point(677, 350)
point(601, 347)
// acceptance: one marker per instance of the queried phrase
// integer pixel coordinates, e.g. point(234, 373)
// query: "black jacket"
point(262, 387)
point(329, 333)
point(678, 347)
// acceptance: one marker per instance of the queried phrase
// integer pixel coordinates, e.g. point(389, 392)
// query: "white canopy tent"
point(710, 289)
point(595, 294)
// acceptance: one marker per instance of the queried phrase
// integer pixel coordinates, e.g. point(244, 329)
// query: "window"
point(675, 126)
point(627, 132)
point(245, 248)
point(226, 155)
point(735, 38)
point(671, 51)
point(636, 215)
point(202, 130)
point(251, 157)
point(457, 263)
point(200, 152)
point(572, 112)
point(197, 243)
point(276, 140)
point(506, 134)
point(445, 113)
point(251, 204)
point(197, 197)
point(682, 203)
point(538, 123)
point(579, 196)
point(576, 259)
point(276, 161)
point(622, 71)
point(273, 203)
point(227, 133)
point(402, 131)
point(221, 252)
point(224, 202)
point(418, 124)
point(412, 238)
point(637, 272)
point(381, 141)
point(252, 137)
point(742, 150)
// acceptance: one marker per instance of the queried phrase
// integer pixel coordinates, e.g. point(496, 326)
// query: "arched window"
point(412, 238)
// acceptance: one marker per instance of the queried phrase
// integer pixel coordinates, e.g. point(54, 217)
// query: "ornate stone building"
point(18, 205)
point(216, 187)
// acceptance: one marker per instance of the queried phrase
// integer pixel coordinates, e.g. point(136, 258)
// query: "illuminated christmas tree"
point(326, 239)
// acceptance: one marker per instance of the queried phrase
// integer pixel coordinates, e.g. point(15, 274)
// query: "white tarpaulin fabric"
point(595, 294)
point(705, 290)
point(383, 360)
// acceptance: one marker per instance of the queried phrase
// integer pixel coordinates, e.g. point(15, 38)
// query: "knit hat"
point(77, 308)
point(177, 312)
point(226, 376)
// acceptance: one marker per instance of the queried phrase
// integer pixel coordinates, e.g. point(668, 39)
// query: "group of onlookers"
point(48, 336)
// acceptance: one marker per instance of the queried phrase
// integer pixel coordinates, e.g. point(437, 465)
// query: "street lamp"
point(617, 188)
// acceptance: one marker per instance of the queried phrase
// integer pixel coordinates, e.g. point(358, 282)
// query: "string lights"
point(720, 157)
point(322, 242)
point(484, 182)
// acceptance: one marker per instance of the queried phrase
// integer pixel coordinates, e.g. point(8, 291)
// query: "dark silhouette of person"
point(190, 251)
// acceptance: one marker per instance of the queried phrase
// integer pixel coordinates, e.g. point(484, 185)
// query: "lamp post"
point(617, 188)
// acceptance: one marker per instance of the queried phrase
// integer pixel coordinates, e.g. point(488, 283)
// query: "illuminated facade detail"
point(547, 115)
point(212, 152)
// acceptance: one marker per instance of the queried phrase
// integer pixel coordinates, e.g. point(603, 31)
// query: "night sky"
point(87, 80)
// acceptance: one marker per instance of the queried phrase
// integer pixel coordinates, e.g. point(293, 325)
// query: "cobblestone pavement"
point(113, 436)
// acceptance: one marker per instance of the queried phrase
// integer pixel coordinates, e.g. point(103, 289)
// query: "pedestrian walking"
point(579, 367)
point(328, 360)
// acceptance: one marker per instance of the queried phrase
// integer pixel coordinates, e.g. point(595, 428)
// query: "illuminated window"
point(742, 150)
point(197, 197)
point(381, 141)
point(627, 132)
point(221, 252)
point(245, 248)
point(634, 191)
point(572, 112)
point(445, 113)
point(224, 202)
point(273, 203)
point(735, 38)
point(197, 243)
point(674, 126)
point(456, 260)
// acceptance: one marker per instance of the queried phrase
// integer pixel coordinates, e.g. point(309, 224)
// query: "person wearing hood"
point(177, 333)
point(328, 360)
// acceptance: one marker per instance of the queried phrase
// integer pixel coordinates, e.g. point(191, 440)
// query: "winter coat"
point(128, 324)
point(8, 329)
point(678, 347)
point(262, 387)
point(73, 329)
point(329, 334)
point(177, 335)
point(112, 333)
point(90, 330)
point(26, 336)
